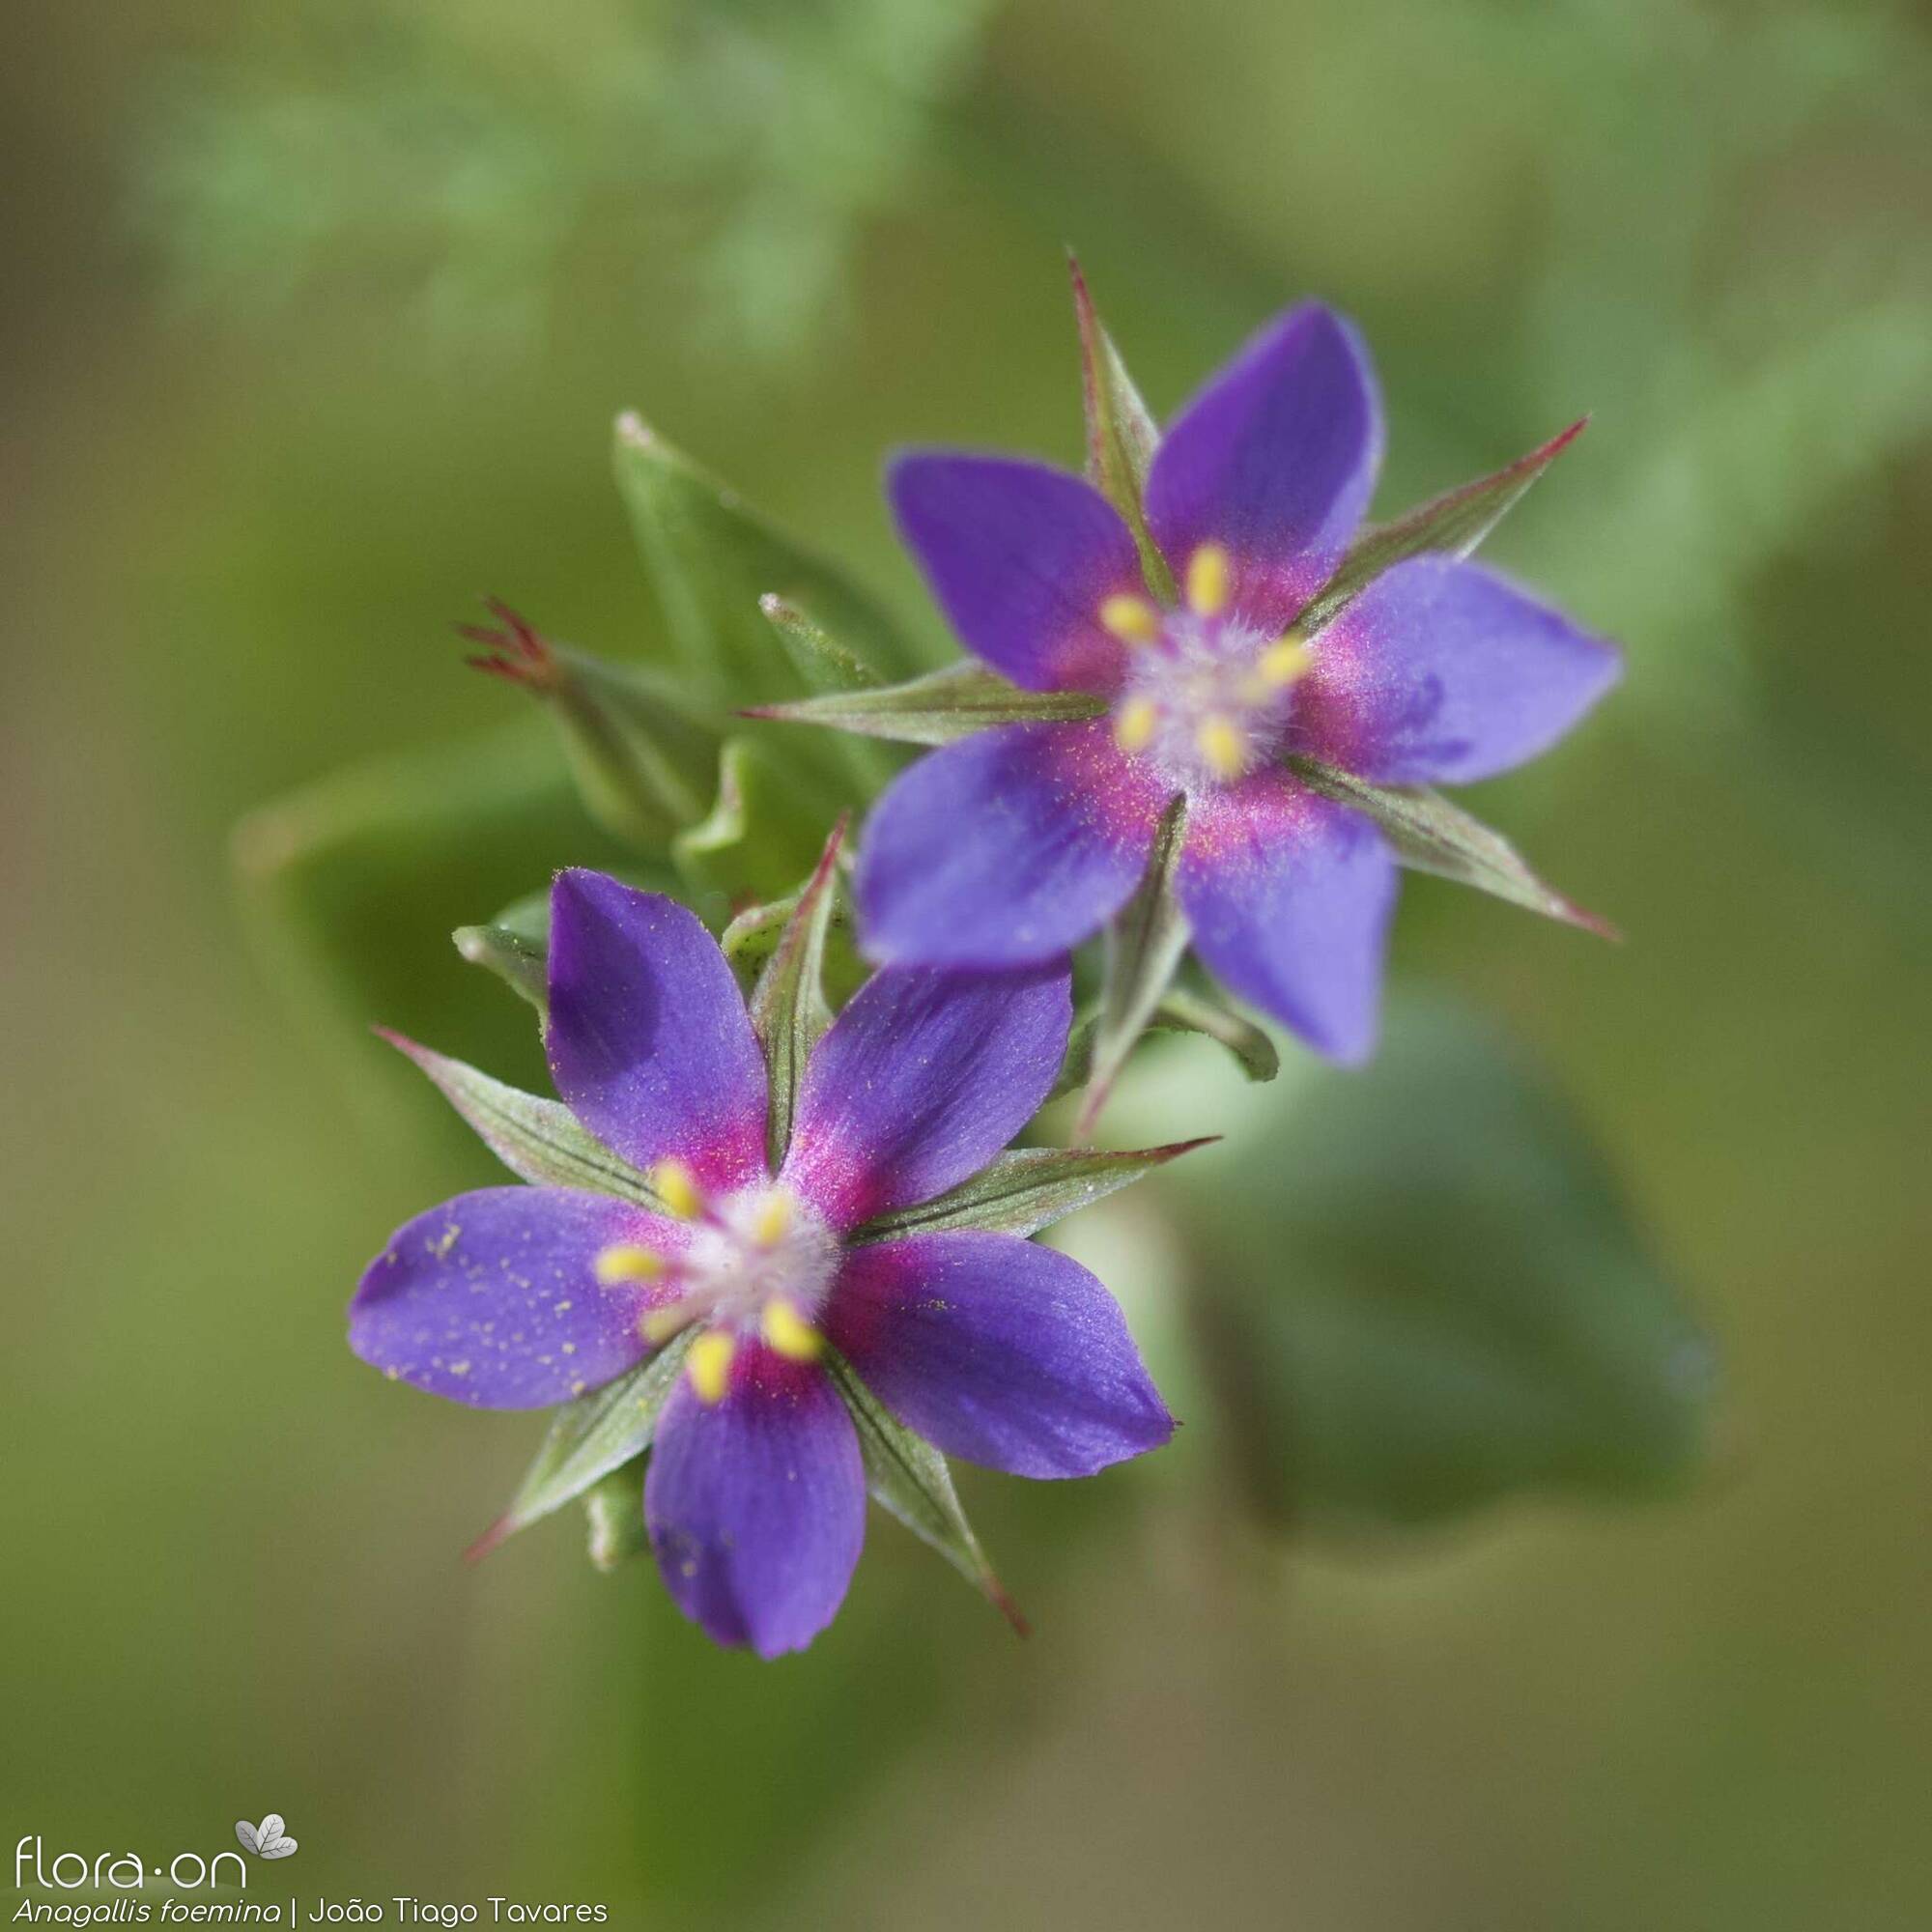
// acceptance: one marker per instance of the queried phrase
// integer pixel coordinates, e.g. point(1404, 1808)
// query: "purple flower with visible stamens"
point(992, 1347)
point(1010, 846)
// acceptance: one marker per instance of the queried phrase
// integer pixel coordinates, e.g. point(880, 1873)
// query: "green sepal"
point(1432, 834)
point(1450, 1304)
point(1455, 522)
point(1181, 1009)
point(1025, 1190)
point(539, 1140)
point(788, 1010)
point(936, 709)
point(614, 1511)
point(1121, 434)
point(1144, 943)
point(521, 963)
point(908, 1478)
point(590, 1437)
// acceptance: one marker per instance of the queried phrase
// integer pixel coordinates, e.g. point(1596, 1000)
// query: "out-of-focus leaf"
point(908, 1477)
point(1121, 434)
point(1418, 1293)
point(936, 709)
point(1025, 1190)
point(590, 1437)
point(519, 962)
point(1186, 1010)
point(1144, 948)
point(1431, 835)
point(788, 1007)
point(539, 1140)
point(352, 885)
point(827, 667)
point(614, 1511)
point(1455, 522)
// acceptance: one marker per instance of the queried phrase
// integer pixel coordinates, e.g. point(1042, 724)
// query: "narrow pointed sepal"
point(516, 960)
point(907, 1477)
point(1145, 945)
point(936, 709)
point(1429, 834)
point(1453, 522)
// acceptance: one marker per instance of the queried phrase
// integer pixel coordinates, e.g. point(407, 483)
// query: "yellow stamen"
point(625, 1261)
point(1285, 661)
point(676, 1189)
point(770, 1220)
point(1131, 619)
point(789, 1332)
point(709, 1364)
point(1209, 580)
point(1223, 747)
point(659, 1324)
point(1135, 723)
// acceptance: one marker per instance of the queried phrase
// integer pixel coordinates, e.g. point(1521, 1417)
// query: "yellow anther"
point(659, 1324)
point(1283, 662)
point(1135, 723)
point(1209, 580)
point(671, 1179)
point(1131, 619)
point(789, 1332)
point(1223, 747)
point(709, 1364)
point(770, 1220)
point(625, 1261)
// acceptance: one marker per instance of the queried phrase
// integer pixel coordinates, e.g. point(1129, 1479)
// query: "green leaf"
point(1025, 1190)
point(1145, 945)
point(539, 1140)
point(711, 558)
point(1431, 835)
point(614, 1517)
point(1455, 522)
point(936, 709)
point(763, 833)
point(1420, 1293)
point(820, 661)
point(1185, 1010)
point(590, 1437)
point(1122, 436)
point(788, 1007)
point(521, 963)
point(908, 1477)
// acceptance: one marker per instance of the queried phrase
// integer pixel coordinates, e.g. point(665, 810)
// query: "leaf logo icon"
point(267, 1840)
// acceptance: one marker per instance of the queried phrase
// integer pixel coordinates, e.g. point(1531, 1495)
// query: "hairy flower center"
point(1207, 694)
point(759, 1260)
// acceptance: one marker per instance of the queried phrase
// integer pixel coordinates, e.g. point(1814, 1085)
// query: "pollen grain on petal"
point(709, 1364)
point(1210, 580)
point(1132, 619)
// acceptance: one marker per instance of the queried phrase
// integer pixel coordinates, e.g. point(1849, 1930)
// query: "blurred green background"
point(315, 322)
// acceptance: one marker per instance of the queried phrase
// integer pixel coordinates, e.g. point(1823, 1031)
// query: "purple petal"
point(1290, 897)
point(757, 1506)
point(1020, 558)
point(922, 1080)
point(1005, 848)
point(997, 1350)
point(650, 1040)
point(1276, 460)
point(1441, 672)
point(491, 1299)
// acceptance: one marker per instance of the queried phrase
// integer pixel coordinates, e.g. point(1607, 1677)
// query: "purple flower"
point(1008, 847)
point(990, 1346)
